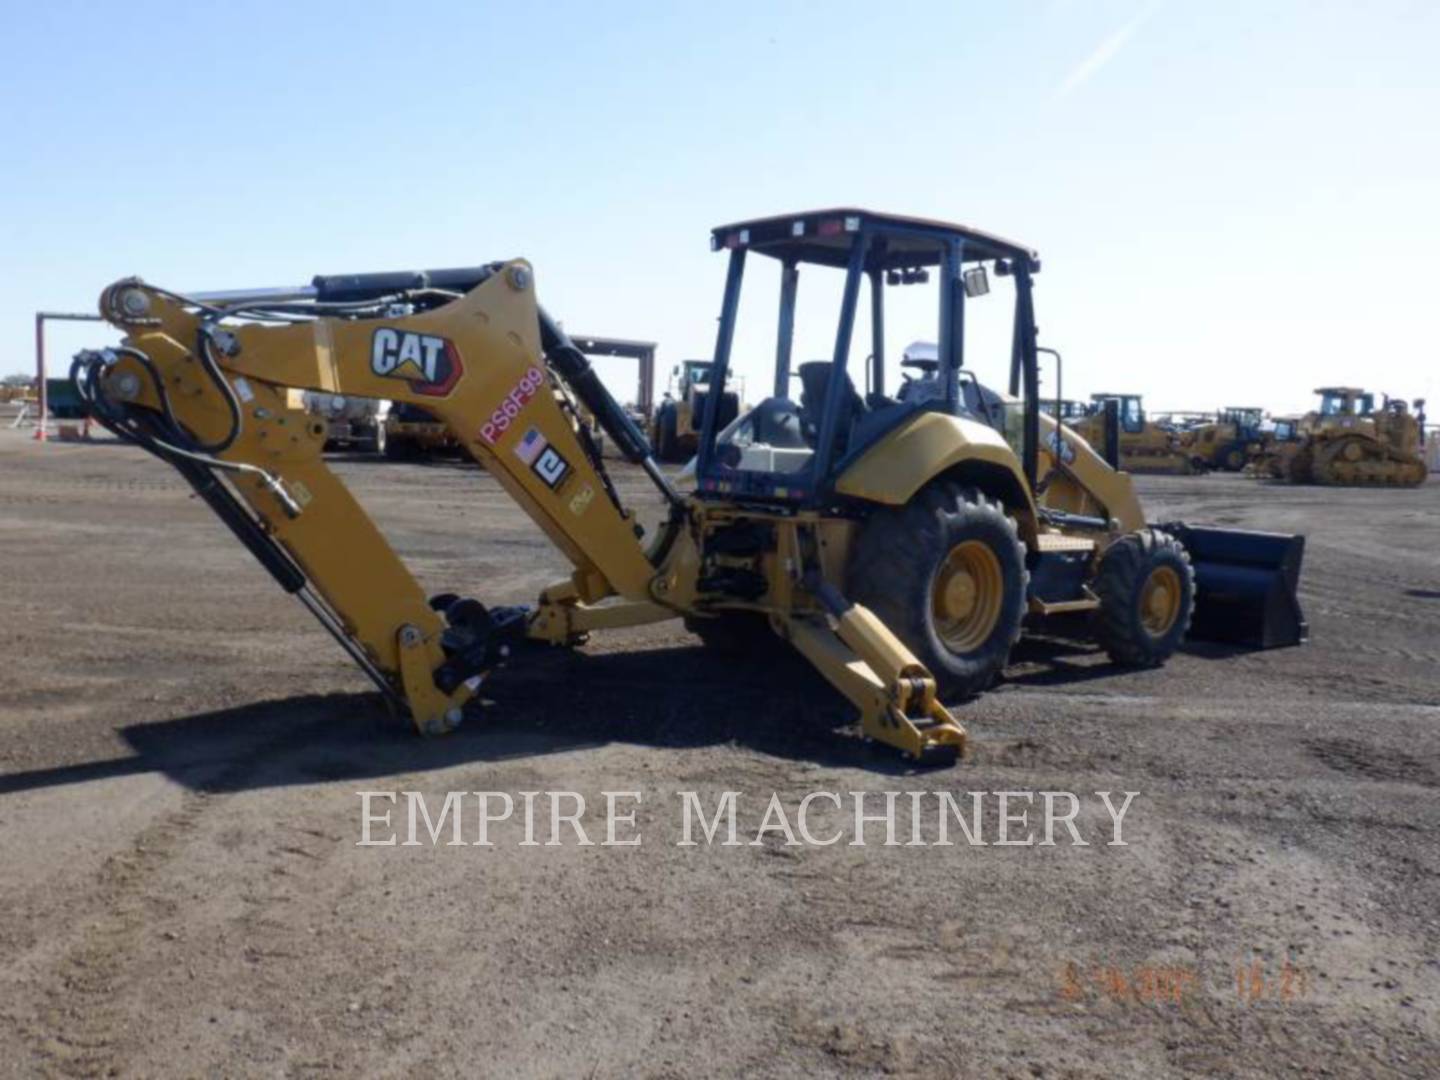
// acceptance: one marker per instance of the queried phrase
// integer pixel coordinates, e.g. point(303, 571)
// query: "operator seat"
point(983, 403)
point(776, 422)
point(814, 388)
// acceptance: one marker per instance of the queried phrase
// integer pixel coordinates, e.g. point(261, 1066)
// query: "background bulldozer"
point(1145, 447)
point(1348, 441)
point(899, 543)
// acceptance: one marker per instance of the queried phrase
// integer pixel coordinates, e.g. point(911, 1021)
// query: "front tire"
point(1147, 596)
point(667, 448)
point(946, 573)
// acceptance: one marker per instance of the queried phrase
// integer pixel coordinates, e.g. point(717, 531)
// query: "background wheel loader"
point(900, 543)
point(1350, 442)
point(675, 430)
point(1225, 440)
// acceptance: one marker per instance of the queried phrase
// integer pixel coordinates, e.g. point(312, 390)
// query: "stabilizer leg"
point(862, 659)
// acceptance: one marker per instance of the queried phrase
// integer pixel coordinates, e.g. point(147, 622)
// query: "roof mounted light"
point(852, 223)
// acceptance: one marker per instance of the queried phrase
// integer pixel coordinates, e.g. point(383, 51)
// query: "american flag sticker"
point(530, 446)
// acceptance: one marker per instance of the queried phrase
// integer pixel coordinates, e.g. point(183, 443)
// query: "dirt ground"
point(181, 748)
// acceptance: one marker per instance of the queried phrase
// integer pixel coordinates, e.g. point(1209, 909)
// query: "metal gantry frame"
point(41, 318)
point(643, 352)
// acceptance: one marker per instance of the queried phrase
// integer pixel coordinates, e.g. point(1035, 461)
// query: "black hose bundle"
point(161, 433)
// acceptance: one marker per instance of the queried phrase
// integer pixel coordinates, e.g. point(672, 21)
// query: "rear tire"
point(1147, 596)
point(399, 450)
point(946, 573)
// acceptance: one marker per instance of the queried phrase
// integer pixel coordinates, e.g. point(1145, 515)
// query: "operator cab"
point(1065, 409)
point(1345, 401)
point(816, 422)
point(1132, 412)
point(692, 374)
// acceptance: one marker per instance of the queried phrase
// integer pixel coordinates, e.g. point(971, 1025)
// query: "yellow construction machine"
point(1066, 410)
point(897, 542)
point(675, 428)
point(1225, 440)
point(413, 432)
point(1145, 447)
point(1349, 442)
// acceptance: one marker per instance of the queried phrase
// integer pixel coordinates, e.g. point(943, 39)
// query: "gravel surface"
point(181, 749)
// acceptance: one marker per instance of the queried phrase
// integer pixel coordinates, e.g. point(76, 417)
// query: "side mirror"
point(977, 282)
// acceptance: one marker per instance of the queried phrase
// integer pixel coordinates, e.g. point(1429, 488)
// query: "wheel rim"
point(1160, 601)
point(966, 596)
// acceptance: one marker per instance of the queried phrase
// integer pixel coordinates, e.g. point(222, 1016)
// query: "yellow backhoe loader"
point(897, 542)
point(1349, 442)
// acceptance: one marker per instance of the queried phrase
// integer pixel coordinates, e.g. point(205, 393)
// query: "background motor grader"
point(1350, 442)
point(897, 542)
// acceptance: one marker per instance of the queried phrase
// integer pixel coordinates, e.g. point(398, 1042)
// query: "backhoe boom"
point(209, 383)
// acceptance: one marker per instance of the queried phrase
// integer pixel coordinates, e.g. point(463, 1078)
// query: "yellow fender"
point(931, 444)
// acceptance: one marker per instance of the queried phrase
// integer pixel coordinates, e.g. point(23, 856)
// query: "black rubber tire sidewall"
point(667, 438)
point(1125, 567)
point(893, 567)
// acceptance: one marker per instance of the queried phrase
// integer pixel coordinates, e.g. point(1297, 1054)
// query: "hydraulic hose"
point(572, 366)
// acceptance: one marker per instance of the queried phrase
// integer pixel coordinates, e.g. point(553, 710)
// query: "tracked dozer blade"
point(1245, 585)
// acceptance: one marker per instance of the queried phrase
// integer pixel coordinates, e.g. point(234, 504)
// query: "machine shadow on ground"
point(552, 702)
point(549, 702)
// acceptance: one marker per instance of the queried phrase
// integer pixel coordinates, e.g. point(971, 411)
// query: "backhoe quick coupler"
point(476, 639)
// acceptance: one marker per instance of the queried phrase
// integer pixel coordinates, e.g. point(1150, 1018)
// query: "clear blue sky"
point(1234, 202)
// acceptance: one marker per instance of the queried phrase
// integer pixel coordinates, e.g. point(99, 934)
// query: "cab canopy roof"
point(825, 236)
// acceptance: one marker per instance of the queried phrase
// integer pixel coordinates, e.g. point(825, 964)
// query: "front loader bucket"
point(1245, 585)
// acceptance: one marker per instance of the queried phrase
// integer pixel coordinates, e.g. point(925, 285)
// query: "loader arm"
point(202, 381)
